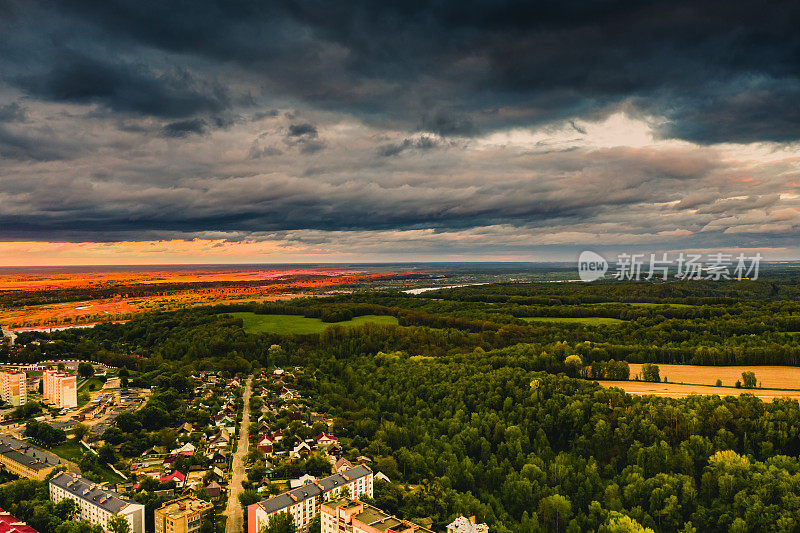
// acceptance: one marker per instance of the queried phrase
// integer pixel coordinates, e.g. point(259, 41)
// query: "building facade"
point(60, 389)
point(303, 503)
point(13, 387)
point(95, 503)
point(24, 460)
point(184, 515)
point(353, 516)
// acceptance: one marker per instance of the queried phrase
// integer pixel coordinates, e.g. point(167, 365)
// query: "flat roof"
point(184, 506)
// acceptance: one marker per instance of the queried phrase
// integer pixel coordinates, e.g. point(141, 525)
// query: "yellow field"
point(778, 377)
point(677, 390)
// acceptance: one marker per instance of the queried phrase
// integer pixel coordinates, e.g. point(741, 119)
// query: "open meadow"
point(679, 390)
point(300, 325)
point(770, 377)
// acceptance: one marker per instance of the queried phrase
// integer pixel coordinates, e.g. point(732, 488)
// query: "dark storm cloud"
point(184, 128)
point(497, 62)
point(423, 144)
point(13, 112)
point(126, 87)
point(302, 130)
point(239, 116)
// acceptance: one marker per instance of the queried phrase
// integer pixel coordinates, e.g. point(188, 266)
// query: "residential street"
point(234, 509)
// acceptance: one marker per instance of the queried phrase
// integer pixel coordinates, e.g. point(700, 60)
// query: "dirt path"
point(234, 509)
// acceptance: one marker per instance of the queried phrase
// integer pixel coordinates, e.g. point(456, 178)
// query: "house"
point(213, 489)
point(316, 417)
point(270, 469)
point(382, 477)
point(187, 428)
point(187, 450)
point(220, 440)
point(302, 480)
point(277, 436)
point(300, 448)
point(266, 447)
point(324, 440)
point(342, 465)
point(176, 476)
point(216, 457)
point(217, 471)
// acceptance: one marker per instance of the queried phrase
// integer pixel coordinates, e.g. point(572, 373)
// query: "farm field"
point(678, 390)
point(589, 320)
point(771, 377)
point(300, 325)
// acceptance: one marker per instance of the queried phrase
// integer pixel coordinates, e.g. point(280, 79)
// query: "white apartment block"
point(60, 389)
point(95, 503)
point(13, 388)
point(304, 502)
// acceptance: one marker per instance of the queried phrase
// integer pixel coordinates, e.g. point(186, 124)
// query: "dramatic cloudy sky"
point(152, 131)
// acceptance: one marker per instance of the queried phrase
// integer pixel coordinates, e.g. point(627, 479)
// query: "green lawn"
point(296, 324)
point(644, 304)
point(91, 384)
point(589, 320)
point(70, 450)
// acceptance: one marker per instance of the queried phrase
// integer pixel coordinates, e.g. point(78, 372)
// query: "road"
point(234, 509)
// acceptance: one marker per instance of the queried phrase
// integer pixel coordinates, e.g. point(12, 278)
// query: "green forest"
point(470, 408)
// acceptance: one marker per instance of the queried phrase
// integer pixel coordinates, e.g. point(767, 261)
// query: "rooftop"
point(106, 499)
point(26, 454)
point(375, 517)
point(185, 507)
point(311, 490)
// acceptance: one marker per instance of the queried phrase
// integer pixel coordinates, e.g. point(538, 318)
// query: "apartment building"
point(13, 388)
point(353, 516)
point(24, 460)
point(95, 503)
point(184, 515)
point(304, 502)
point(60, 389)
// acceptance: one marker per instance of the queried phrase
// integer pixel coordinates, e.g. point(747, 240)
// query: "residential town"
point(60, 430)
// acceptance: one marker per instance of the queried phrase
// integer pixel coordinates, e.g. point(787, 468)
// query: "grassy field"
point(771, 377)
point(678, 390)
point(91, 384)
point(589, 320)
point(643, 304)
point(70, 450)
point(296, 324)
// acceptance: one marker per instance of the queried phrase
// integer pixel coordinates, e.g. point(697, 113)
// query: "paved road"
point(234, 509)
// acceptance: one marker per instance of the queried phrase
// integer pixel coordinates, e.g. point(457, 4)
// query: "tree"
point(280, 523)
point(555, 511)
point(749, 380)
point(573, 365)
point(719, 383)
point(315, 525)
point(85, 370)
point(28, 410)
point(119, 524)
point(619, 523)
point(650, 372)
point(80, 431)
